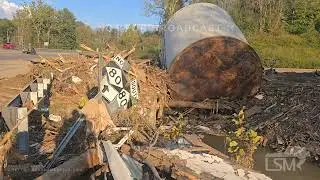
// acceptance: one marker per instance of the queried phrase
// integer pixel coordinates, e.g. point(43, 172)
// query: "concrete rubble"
point(215, 166)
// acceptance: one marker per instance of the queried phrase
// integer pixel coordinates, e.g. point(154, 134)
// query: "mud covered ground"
point(290, 113)
point(287, 115)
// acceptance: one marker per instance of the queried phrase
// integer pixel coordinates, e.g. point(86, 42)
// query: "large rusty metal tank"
point(207, 55)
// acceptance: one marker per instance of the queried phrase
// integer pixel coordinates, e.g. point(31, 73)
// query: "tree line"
point(291, 16)
point(273, 27)
point(38, 23)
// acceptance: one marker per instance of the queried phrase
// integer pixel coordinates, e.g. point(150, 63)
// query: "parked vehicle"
point(31, 51)
point(8, 46)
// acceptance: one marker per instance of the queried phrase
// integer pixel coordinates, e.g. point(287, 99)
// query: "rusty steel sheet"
point(216, 67)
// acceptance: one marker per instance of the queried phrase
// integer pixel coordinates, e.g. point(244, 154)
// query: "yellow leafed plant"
point(242, 142)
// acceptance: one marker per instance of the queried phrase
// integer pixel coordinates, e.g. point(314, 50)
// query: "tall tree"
point(84, 34)
point(23, 24)
point(130, 37)
point(42, 17)
point(65, 30)
point(6, 30)
point(302, 15)
point(102, 36)
point(164, 9)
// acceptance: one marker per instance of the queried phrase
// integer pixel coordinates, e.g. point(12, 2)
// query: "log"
point(74, 167)
point(129, 53)
point(87, 48)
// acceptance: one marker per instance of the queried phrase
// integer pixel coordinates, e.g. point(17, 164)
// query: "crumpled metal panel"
point(208, 56)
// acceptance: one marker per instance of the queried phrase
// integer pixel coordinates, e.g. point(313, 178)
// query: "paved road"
point(14, 62)
point(6, 55)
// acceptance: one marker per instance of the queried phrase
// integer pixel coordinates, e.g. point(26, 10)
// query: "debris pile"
point(289, 114)
point(152, 134)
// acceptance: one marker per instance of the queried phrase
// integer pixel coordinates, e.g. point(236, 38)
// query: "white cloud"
point(7, 9)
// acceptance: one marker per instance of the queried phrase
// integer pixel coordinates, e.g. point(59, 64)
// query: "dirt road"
point(14, 62)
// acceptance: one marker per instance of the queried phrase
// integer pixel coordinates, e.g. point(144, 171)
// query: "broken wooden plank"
point(124, 139)
point(129, 52)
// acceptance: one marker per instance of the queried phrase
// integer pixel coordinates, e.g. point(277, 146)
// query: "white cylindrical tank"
point(208, 56)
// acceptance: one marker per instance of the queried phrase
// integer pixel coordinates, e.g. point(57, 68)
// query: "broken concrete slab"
point(45, 82)
point(214, 166)
point(12, 115)
point(23, 132)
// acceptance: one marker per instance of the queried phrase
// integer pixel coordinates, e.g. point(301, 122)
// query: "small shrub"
point(242, 142)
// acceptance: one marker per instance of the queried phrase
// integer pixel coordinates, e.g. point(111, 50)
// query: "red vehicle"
point(8, 46)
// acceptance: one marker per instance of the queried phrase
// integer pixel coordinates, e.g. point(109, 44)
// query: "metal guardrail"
point(15, 113)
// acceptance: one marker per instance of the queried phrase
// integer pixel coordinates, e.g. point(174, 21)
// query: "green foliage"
point(242, 143)
point(65, 30)
point(6, 30)
point(84, 34)
point(130, 37)
point(102, 36)
point(300, 16)
point(63, 34)
point(42, 18)
point(164, 9)
point(287, 51)
point(38, 22)
point(150, 46)
point(317, 25)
